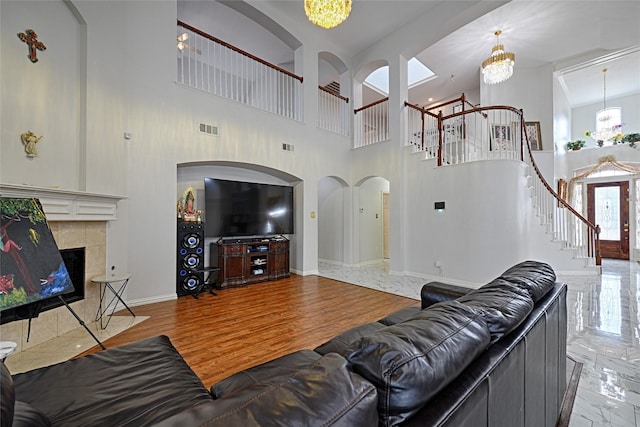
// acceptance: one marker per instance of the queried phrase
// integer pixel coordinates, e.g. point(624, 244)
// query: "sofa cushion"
point(342, 342)
point(411, 361)
point(503, 306)
point(7, 396)
point(285, 365)
point(133, 385)
point(324, 393)
point(435, 292)
point(399, 316)
point(537, 278)
point(26, 415)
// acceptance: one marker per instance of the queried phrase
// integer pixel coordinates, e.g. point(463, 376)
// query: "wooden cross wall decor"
point(31, 39)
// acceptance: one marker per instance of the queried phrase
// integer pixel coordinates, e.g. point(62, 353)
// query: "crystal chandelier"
point(327, 13)
point(499, 66)
point(608, 120)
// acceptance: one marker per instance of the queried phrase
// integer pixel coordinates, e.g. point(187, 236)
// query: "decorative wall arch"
point(603, 162)
point(335, 62)
point(368, 68)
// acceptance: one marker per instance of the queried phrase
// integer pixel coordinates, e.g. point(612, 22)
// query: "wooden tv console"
point(245, 261)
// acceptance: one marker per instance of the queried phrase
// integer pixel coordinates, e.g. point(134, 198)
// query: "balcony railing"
point(214, 66)
point(371, 123)
point(333, 112)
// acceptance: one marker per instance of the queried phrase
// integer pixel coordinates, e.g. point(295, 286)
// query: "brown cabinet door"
point(279, 260)
point(231, 260)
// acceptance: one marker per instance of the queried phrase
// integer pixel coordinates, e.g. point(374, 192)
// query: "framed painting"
point(500, 137)
point(533, 134)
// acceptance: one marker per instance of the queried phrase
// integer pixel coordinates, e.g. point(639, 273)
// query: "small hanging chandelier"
point(499, 66)
point(327, 13)
point(608, 120)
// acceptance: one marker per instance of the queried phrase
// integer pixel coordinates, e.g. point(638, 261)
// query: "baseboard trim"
point(144, 301)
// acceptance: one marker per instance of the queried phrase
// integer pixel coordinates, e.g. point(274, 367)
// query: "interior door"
point(608, 207)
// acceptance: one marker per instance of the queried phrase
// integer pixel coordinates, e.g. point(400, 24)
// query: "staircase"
point(456, 132)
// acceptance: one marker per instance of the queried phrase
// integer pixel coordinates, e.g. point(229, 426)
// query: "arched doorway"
point(371, 218)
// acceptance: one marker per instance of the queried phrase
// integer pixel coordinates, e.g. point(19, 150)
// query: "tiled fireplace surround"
point(53, 323)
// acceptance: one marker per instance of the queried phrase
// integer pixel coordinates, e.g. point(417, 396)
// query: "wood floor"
point(242, 327)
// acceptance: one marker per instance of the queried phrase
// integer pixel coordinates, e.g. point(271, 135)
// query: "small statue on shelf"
point(189, 204)
point(180, 209)
point(199, 215)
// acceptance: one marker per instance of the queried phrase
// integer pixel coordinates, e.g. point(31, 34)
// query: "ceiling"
point(579, 38)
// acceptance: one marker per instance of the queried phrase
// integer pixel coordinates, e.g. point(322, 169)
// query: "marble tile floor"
point(68, 345)
point(603, 332)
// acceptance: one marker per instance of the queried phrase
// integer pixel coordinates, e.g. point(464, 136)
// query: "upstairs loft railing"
point(371, 124)
point(467, 135)
point(333, 112)
point(499, 133)
point(212, 65)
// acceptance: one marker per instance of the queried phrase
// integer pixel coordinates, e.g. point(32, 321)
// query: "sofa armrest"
point(434, 292)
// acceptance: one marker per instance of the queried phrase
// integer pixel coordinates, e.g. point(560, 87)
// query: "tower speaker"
point(190, 258)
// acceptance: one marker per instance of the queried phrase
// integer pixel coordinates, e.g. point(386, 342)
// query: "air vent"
point(333, 87)
point(287, 147)
point(209, 129)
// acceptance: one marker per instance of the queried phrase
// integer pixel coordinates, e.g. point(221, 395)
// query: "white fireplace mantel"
point(68, 205)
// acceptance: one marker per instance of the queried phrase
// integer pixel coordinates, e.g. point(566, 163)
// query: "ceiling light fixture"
point(499, 66)
point(608, 120)
point(327, 13)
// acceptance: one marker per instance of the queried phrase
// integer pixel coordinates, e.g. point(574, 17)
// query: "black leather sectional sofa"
point(493, 356)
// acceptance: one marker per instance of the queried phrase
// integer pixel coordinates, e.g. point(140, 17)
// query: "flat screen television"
point(236, 208)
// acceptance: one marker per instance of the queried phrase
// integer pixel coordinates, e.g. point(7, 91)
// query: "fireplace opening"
point(74, 262)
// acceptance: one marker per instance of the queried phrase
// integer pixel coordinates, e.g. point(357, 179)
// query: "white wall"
point(561, 127)
point(331, 225)
point(41, 96)
point(531, 90)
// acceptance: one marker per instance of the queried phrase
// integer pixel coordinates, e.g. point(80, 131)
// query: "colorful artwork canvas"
point(31, 267)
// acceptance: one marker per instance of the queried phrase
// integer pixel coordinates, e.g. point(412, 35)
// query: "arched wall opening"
point(370, 219)
point(193, 175)
point(351, 221)
point(364, 94)
point(332, 71)
point(260, 35)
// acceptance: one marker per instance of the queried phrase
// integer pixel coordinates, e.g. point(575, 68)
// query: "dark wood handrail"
point(481, 110)
point(422, 110)
point(444, 104)
point(380, 101)
point(324, 89)
point(594, 227)
point(238, 50)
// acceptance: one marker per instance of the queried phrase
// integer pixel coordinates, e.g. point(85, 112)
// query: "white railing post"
point(371, 124)
point(333, 112)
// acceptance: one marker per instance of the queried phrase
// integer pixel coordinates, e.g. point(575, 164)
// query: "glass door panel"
point(607, 202)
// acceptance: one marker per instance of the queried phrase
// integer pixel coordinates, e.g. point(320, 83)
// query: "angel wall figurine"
point(29, 140)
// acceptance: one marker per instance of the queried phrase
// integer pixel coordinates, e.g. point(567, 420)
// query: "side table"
point(116, 285)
